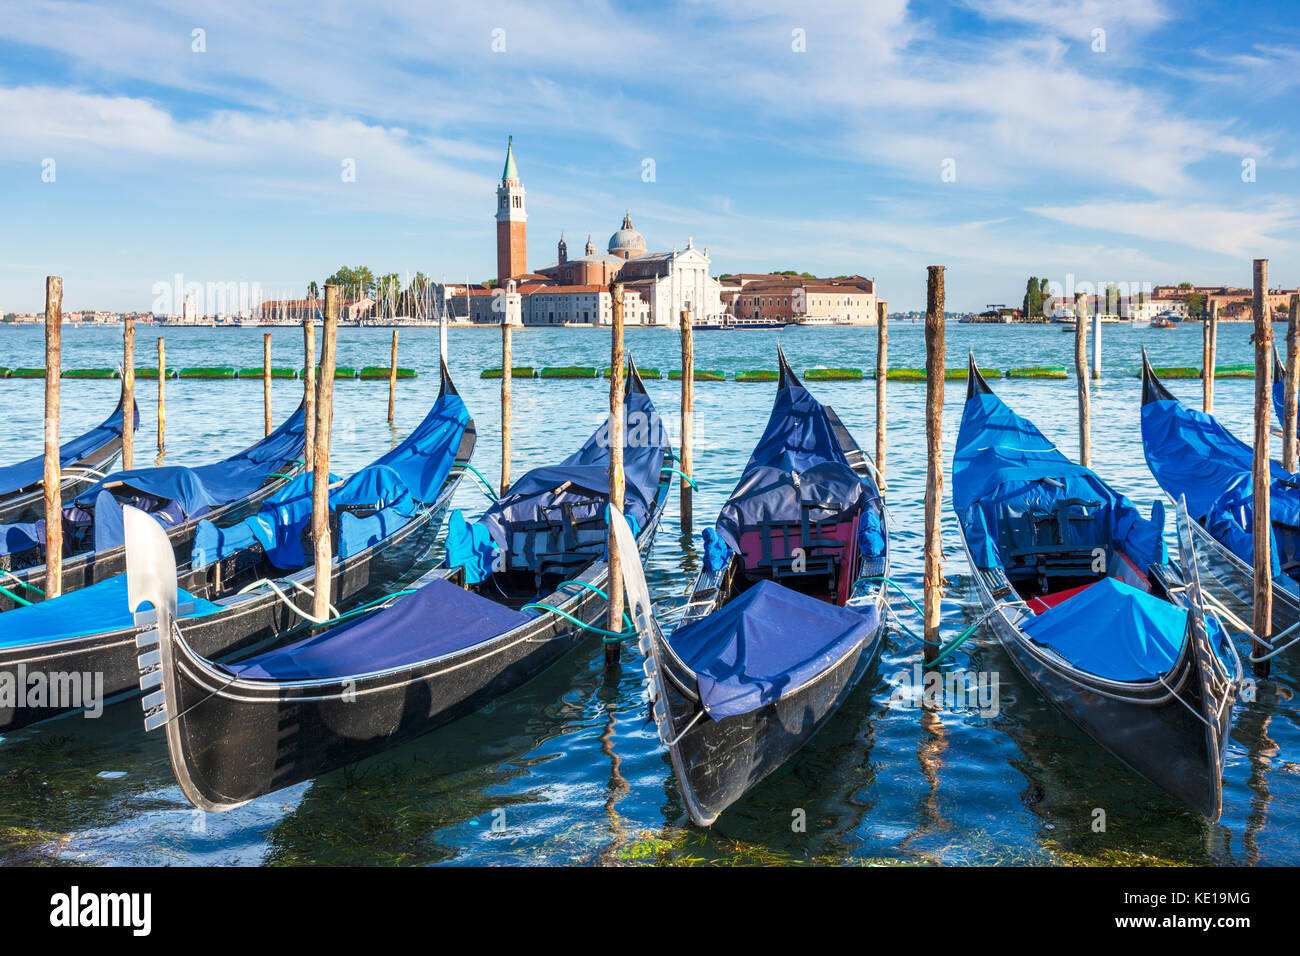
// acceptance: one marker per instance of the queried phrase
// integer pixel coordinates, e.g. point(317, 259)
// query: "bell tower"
point(512, 220)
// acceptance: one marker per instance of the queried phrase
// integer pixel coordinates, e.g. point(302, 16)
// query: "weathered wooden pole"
point(507, 379)
point(128, 394)
point(1081, 374)
point(688, 423)
point(935, 351)
point(53, 494)
point(162, 398)
point(309, 392)
point(616, 423)
point(392, 380)
point(882, 374)
point(1291, 392)
point(320, 515)
point(1096, 348)
point(1261, 467)
point(1208, 362)
point(266, 381)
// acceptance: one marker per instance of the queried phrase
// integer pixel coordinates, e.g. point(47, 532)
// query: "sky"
point(1130, 141)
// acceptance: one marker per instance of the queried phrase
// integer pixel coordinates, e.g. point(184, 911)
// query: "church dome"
point(627, 242)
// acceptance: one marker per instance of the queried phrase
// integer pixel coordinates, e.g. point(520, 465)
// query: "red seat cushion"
point(1040, 604)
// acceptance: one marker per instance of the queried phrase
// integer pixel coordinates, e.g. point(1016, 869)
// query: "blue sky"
point(1122, 164)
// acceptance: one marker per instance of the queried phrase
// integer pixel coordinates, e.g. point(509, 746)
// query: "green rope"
point(611, 637)
point(363, 608)
point(23, 584)
point(486, 486)
point(685, 477)
point(14, 597)
point(898, 587)
point(944, 649)
point(280, 474)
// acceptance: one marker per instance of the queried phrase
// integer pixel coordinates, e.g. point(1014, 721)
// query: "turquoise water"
point(567, 769)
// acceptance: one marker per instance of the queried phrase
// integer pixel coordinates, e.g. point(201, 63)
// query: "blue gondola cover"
point(394, 485)
point(580, 482)
point(174, 494)
point(1143, 634)
point(439, 619)
point(102, 606)
point(1003, 467)
point(765, 643)
point(1192, 455)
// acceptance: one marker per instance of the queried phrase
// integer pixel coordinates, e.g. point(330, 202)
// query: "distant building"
point(850, 300)
point(657, 286)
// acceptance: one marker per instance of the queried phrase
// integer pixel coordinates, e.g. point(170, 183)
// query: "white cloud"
point(1242, 232)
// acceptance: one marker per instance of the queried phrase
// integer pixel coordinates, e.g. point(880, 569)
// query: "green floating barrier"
point(1038, 371)
point(569, 371)
point(756, 375)
point(152, 373)
point(833, 374)
point(1173, 372)
point(340, 371)
point(1234, 371)
point(88, 373)
point(27, 373)
point(701, 375)
point(218, 371)
point(516, 371)
point(905, 375)
point(375, 372)
point(645, 373)
point(276, 372)
point(963, 373)
point(4, 371)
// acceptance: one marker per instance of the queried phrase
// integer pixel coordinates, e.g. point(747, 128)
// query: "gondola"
point(517, 590)
point(178, 497)
point(81, 462)
point(768, 646)
point(1078, 587)
point(1192, 455)
point(248, 584)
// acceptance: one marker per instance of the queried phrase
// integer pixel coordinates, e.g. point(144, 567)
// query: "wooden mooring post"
point(309, 392)
point(616, 426)
point(1209, 347)
point(935, 351)
point(266, 382)
point(1261, 472)
point(392, 380)
point(162, 399)
point(53, 493)
point(320, 515)
point(882, 375)
point(1291, 391)
point(128, 394)
point(1081, 375)
point(507, 379)
point(1096, 347)
point(686, 493)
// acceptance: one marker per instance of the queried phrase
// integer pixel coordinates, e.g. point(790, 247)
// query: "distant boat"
point(1165, 320)
point(732, 323)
